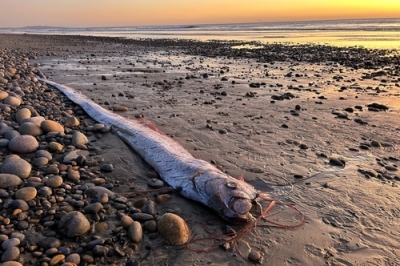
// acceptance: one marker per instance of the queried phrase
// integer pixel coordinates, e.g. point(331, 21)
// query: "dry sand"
point(221, 109)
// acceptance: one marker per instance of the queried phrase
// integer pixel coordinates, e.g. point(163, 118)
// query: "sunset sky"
point(92, 13)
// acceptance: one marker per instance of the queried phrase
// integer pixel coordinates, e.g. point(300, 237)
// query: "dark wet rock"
point(74, 224)
point(93, 208)
point(377, 107)
point(141, 217)
point(337, 162)
point(49, 242)
point(107, 167)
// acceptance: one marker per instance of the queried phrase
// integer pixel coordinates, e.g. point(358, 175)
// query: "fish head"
point(233, 199)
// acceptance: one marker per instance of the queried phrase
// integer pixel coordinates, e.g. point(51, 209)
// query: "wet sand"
point(314, 126)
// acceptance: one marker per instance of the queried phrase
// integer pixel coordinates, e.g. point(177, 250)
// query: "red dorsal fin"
point(152, 126)
point(241, 177)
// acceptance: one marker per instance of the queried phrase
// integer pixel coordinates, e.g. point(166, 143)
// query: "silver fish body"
point(193, 178)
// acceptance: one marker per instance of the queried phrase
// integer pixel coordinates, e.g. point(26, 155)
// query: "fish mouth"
point(244, 209)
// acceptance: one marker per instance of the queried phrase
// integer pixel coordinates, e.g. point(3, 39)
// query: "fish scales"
point(193, 178)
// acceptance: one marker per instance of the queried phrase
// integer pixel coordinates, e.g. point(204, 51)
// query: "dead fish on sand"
point(193, 178)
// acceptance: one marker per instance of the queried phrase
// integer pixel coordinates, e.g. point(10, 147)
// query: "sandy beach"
point(316, 127)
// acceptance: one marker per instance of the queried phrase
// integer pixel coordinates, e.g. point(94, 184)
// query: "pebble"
point(126, 221)
point(163, 197)
point(26, 193)
point(107, 167)
point(51, 126)
point(22, 113)
point(57, 259)
point(93, 208)
point(71, 122)
point(49, 242)
point(11, 263)
point(54, 181)
point(16, 166)
point(155, 183)
point(74, 258)
point(173, 228)
point(12, 242)
point(255, 256)
point(23, 144)
point(79, 138)
point(337, 162)
point(30, 128)
point(55, 146)
point(10, 254)
point(9, 180)
point(135, 232)
point(13, 101)
point(74, 224)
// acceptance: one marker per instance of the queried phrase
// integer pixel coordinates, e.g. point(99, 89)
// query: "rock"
point(126, 221)
point(107, 167)
point(155, 183)
point(55, 146)
point(16, 166)
point(57, 259)
point(12, 242)
point(10, 254)
point(26, 193)
point(22, 113)
point(120, 108)
point(51, 126)
point(337, 162)
point(9, 180)
point(3, 94)
point(100, 251)
point(135, 232)
point(255, 256)
point(73, 175)
point(10, 134)
point(49, 242)
point(37, 120)
point(13, 101)
point(11, 263)
point(79, 138)
point(74, 224)
point(23, 144)
point(173, 228)
point(18, 204)
point(43, 153)
point(71, 122)
point(54, 181)
point(74, 258)
point(30, 128)
point(93, 208)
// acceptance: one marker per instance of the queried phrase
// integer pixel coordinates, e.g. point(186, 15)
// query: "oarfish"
point(193, 178)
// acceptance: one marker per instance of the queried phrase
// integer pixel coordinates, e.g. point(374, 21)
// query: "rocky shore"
point(314, 125)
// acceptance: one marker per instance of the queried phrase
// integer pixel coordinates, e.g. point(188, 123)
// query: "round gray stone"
point(9, 180)
point(79, 138)
point(30, 128)
point(16, 166)
point(23, 144)
point(10, 254)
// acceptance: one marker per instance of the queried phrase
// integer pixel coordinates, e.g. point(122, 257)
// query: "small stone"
point(13, 101)
point(255, 256)
point(223, 131)
point(120, 108)
point(79, 138)
point(3, 94)
point(71, 122)
point(23, 144)
point(54, 181)
point(100, 251)
point(11, 263)
point(93, 208)
point(51, 126)
point(74, 258)
point(22, 113)
point(57, 259)
point(49, 242)
point(26, 193)
point(9, 180)
point(16, 166)
point(55, 146)
point(107, 167)
point(11, 254)
point(126, 221)
point(12, 242)
point(135, 232)
point(43, 153)
point(173, 228)
point(74, 224)
point(155, 183)
point(73, 175)
point(163, 197)
point(30, 128)
point(337, 162)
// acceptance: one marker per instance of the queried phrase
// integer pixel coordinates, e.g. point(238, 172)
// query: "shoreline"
point(280, 121)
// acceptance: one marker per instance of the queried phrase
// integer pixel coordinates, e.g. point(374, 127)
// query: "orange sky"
point(87, 13)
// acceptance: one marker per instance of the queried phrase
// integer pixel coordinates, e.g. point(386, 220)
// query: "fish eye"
point(231, 185)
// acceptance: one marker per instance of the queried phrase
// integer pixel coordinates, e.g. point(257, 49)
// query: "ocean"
point(368, 33)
